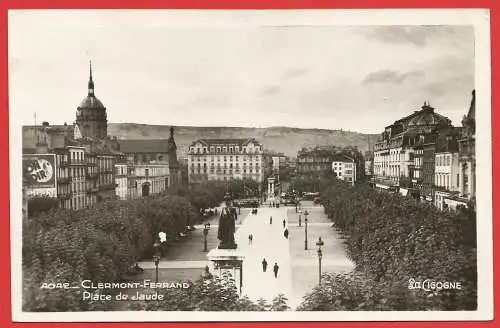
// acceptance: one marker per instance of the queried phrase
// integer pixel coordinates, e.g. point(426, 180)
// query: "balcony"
point(63, 180)
point(107, 186)
point(65, 195)
point(77, 162)
point(91, 175)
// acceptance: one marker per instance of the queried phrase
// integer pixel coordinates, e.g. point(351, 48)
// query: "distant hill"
point(280, 139)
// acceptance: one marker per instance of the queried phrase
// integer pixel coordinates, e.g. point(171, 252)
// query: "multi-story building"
point(394, 155)
point(446, 176)
point(146, 179)
point(225, 159)
point(121, 180)
point(89, 166)
point(344, 168)
point(150, 151)
point(466, 160)
point(467, 152)
point(314, 162)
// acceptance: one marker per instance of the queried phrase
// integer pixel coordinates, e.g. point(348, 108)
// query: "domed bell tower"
point(91, 116)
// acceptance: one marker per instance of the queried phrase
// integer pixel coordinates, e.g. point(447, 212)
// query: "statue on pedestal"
point(227, 225)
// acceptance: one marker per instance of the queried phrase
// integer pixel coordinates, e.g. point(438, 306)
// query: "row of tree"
point(395, 241)
point(210, 293)
point(101, 243)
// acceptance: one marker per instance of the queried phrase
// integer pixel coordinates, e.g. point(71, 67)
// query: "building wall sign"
point(39, 170)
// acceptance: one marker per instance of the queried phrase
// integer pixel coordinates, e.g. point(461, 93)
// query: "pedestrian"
point(264, 265)
point(271, 220)
point(286, 233)
point(284, 222)
point(249, 239)
point(275, 269)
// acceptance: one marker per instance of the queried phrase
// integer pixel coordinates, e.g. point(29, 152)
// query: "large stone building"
point(147, 179)
point(225, 159)
point(394, 153)
point(84, 155)
point(156, 152)
point(89, 166)
point(317, 161)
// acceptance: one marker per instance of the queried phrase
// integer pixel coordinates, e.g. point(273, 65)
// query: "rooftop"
point(144, 145)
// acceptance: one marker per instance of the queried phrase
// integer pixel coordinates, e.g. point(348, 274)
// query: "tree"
point(391, 239)
point(41, 204)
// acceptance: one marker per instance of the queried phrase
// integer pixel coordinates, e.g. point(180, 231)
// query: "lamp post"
point(306, 213)
point(320, 243)
point(300, 218)
point(205, 233)
point(156, 257)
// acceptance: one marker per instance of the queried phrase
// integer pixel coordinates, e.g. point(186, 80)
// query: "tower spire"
point(91, 82)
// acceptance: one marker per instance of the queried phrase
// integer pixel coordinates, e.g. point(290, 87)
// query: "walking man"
point(250, 239)
point(275, 269)
point(284, 222)
point(264, 265)
point(286, 233)
point(271, 220)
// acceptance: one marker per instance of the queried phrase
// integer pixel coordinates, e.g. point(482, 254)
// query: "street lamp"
point(300, 218)
point(306, 213)
point(156, 257)
point(320, 243)
point(205, 233)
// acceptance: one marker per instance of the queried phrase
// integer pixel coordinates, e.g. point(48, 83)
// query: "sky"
point(148, 69)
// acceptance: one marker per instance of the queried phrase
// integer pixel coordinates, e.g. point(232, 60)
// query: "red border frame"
point(5, 299)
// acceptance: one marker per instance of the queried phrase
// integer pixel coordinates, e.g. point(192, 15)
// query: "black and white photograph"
point(316, 165)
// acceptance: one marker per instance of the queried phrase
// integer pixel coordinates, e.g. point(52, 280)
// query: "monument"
point(227, 257)
point(270, 188)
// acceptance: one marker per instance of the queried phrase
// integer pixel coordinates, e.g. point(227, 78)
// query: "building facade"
point(146, 179)
point(467, 152)
point(314, 162)
point(394, 154)
point(225, 159)
point(344, 168)
point(446, 176)
point(121, 180)
point(466, 160)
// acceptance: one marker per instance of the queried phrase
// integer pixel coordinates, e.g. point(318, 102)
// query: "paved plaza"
point(298, 268)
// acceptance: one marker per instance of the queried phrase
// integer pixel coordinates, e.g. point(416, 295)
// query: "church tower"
point(173, 165)
point(91, 117)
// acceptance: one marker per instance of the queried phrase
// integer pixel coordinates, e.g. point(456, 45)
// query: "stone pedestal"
point(227, 260)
